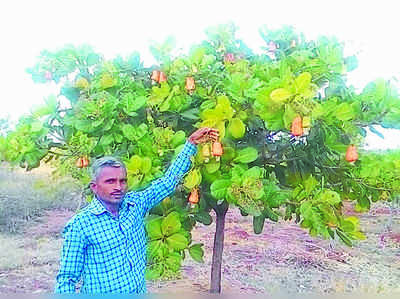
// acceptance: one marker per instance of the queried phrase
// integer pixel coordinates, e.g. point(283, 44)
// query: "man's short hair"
point(107, 161)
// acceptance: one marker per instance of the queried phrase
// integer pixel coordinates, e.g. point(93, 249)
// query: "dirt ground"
point(283, 259)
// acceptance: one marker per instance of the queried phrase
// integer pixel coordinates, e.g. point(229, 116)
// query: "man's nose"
point(118, 186)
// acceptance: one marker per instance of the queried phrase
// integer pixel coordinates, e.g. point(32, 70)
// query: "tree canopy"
point(290, 126)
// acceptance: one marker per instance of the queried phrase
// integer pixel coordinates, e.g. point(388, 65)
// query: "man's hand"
point(204, 135)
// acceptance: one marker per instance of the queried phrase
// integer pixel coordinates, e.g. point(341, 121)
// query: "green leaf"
point(138, 103)
point(364, 202)
point(108, 124)
point(254, 172)
point(347, 226)
point(118, 137)
point(237, 173)
point(246, 155)
point(154, 272)
point(128, 131)
point(106, 139)
point(344, 112)
point(178, 149)
point(358, 235)
point(178, 139)
point(107, 81)
point(212, 166)
point(223, 110)
point(154, 249)
point(354, 220)
point(270, 214)
point(306, 210)
point(346, 240)
point(203, 217)
point(92, 59)
point(198, 55)
point(171, 224)
point(310, 184)
point(161, 92)
point(97, 123)
point(331, 232)
point(236, 128)
point(191, 114)
point(177, 241)
point(33, 160)
point(153, 228)
point(193, 179)
point(219, 188)
point(209, 104)
point(141, 131)
point(258, 224)
point(196, 252)
point(302, 82)
point(165, 106)
point(134, 134)
point(146, 165)
point(83, 125)
point(280, 95)
point(229, 154)
point(71, 93)
point(331, 197)
point(36, 126)
point(174, 261)
point(134, 165)
point(273, 119)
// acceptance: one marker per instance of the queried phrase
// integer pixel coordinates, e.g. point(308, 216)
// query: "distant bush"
point(4, 126)
point(26, 195)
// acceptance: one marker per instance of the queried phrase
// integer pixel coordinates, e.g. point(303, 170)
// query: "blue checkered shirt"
point(108, 253)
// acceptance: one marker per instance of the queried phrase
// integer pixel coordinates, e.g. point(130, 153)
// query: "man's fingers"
point(211, 131)
point(214, 135)
point(205, 134)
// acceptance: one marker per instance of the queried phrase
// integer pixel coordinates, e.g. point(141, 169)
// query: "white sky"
point(120, 27)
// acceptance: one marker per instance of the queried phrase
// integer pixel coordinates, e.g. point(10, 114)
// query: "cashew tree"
point(291, 131)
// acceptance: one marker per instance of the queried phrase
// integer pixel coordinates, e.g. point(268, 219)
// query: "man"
point(105, 244)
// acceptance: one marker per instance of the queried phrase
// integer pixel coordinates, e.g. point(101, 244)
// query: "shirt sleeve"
point(72, 257)
point(161, 188)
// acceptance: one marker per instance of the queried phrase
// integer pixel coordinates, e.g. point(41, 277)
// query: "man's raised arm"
point(161, 188)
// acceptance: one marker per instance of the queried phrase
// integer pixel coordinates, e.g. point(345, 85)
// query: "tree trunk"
point(218, 248)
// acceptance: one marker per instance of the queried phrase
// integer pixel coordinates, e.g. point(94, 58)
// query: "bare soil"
point(283, 259)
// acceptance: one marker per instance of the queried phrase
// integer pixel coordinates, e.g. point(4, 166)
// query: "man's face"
point(110, 185)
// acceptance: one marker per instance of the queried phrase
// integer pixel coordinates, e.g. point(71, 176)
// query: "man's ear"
point(93, 186)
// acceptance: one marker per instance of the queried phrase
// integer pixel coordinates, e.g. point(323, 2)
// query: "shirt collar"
point(97, 208)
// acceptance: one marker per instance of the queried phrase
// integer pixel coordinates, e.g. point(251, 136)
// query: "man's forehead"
point(112, 171)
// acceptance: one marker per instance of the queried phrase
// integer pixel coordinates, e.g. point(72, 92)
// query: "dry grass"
point(13, 252)
point(26, 195)
point(18, 251)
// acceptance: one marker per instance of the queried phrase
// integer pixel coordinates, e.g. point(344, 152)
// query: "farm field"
point(283, 259)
